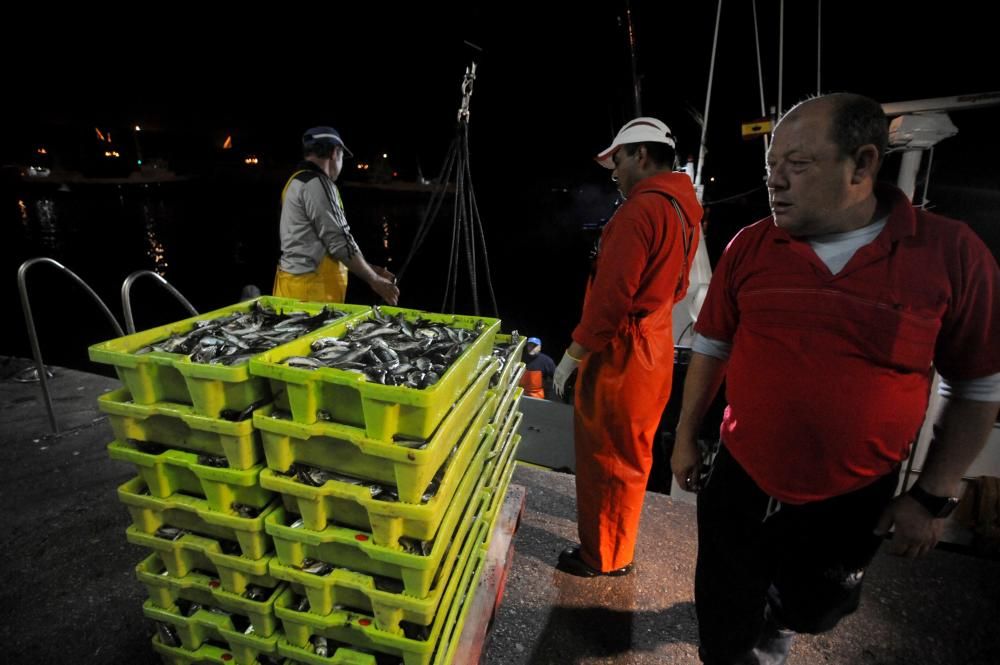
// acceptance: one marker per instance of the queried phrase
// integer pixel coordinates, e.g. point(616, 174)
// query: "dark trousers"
point(800, 569)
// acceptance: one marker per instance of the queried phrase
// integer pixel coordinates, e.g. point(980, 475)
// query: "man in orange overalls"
point(623, 344)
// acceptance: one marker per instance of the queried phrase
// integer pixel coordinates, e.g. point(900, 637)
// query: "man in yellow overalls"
point(317, 249)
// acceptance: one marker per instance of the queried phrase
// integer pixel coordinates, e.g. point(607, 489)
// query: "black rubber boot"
point(570, 562)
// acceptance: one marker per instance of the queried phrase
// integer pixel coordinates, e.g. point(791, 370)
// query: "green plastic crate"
point(205, 625)
point(173, 471)
point(458, 613)
point(500, 439)
point(503, 452)
point(511, 422)
point(357, 591)
point(353, 505)
point(178, 426)
point(211, 654)
point(508, 405)
point(149, 513)
point(505, 378)
point(354, 550)
point(206, 590)
point(360, 630)
point(171, 377)
point(192, 553)
point(500, 477)
point(347, 450)
point(349, 398)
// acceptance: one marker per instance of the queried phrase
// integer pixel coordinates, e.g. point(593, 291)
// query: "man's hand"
point(685, 463)
point(386, 290)
point(917, 532)
point(564, 370)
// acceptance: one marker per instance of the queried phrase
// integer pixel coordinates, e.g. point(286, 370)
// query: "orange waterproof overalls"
point(624, 383)
point(533, 384)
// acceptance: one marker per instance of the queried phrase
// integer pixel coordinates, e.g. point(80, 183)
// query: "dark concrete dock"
point(69, 594)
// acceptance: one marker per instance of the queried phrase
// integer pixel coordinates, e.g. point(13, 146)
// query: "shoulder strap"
point(289, 183)
point(686, 236)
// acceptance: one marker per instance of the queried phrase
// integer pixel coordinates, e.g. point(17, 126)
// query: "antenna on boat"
point(698, 188)
point(636, 87)
point(918, 125)
point(760, 73)
point(467, 237)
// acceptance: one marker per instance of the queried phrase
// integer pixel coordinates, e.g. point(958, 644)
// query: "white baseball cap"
point(640, 130)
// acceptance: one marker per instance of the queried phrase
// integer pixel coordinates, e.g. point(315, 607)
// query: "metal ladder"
point(29, 319)
point(127, 300)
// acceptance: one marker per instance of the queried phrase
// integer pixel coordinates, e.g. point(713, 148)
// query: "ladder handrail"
point(127, 296)
point(29, 321)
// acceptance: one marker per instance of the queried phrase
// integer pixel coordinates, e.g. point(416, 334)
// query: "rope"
point(433, 206)
point(470, 248)
point(486, 259)
point(466, 224)
point(734, 196)
point(927, 180)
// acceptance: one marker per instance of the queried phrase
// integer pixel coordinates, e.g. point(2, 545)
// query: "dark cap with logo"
point(324, 136)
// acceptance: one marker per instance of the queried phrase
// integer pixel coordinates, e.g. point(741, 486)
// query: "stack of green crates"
point(385, 580)
point(364, 574)
point(202, 518)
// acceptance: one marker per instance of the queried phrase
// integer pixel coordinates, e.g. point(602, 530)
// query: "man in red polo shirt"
point(825, 319)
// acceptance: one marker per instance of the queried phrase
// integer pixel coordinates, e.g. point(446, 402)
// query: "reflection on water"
point(105, 232)
point(22, 213)
point(48, 231)
point(210, 238)
point(152, 213)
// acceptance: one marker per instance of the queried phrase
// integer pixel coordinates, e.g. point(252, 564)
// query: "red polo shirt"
point(829, 375)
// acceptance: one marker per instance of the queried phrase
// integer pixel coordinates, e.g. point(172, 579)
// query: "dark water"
point(212, 234)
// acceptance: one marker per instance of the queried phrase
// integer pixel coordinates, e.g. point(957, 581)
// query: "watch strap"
point(938, 506)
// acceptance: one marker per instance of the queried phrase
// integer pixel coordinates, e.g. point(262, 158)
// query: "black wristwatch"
point(937, 506)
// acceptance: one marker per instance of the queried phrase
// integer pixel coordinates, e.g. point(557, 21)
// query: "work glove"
point(564, 370)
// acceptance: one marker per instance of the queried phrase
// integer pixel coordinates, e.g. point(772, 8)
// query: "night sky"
point(554, 85)
point(554, 78)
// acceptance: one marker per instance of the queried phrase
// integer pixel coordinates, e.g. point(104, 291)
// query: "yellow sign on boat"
point(756, 128)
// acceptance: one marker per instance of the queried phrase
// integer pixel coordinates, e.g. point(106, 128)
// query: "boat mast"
point(760, 73)
point(708, 101)
point(631, 49)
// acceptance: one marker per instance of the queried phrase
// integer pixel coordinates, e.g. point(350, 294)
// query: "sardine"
point(246, 511)
point(414, 546)
point(218, 461)
point(239, 416)
point(315, 567)
point(303, 362)
point(168, 634)
point(169, 532)
point(257, 593)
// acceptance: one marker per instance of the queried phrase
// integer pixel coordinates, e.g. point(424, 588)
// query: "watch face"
point(949, 506)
